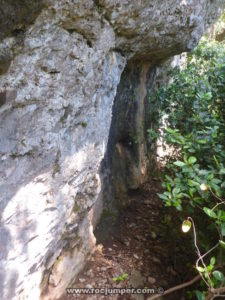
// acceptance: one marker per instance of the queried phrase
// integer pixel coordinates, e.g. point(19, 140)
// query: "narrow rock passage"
point(146, 247)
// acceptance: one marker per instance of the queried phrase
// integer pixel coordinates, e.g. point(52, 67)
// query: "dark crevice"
point(128, 135)
point(14, 20)
point(17, 15)
point(82, 33)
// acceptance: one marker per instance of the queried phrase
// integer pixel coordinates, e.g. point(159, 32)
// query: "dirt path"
point(146, 248)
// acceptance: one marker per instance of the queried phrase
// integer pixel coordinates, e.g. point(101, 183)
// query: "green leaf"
point(168, 187)
point(210, 213)
point(200, 269)
point(168, 194)
point(222, 171)
point(218, 276)
point(210, 176)
point(192, 160)
point(179, 163)
point(191, 192)
point(201, 141)
point(217, 163)
point(212, 261)
point(192, 183)
point(223, 229)
point(163, 197)
point(175, 191)
point(169, 130)
point(203, 172)
point(209, 268)
point(216, 180)
point(199, 295)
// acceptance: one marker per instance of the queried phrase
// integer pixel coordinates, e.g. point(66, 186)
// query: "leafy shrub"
point(194, 102)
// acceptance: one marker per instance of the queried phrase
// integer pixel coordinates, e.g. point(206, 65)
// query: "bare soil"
point(145, 243)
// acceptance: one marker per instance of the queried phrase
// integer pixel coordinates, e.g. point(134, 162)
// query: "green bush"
point(194, 102)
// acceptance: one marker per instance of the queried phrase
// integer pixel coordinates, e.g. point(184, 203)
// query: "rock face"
point(158, 29)
point(132, 154)
point(128, 156)
point(60, 66)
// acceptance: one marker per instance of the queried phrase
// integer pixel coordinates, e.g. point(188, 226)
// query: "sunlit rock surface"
point(158, 29)
point(60, 66)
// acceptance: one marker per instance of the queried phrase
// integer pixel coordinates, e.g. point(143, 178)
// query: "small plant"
point(120, 278)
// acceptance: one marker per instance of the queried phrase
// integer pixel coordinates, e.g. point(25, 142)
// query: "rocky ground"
point(146, 248)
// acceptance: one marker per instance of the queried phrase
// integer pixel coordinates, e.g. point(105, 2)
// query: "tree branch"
point(176, 288)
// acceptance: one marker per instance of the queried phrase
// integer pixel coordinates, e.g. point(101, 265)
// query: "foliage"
point(220, 24)
point(120, 278)
point(194, 105)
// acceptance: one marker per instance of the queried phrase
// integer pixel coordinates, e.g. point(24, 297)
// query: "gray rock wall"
point(158, 29)
point(60, 66)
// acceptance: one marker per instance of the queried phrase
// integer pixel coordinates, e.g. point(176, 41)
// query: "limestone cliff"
point(60, 66)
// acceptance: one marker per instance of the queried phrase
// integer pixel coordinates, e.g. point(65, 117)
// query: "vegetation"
point(193, 105)
point(219, 28)
point(120, 278)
